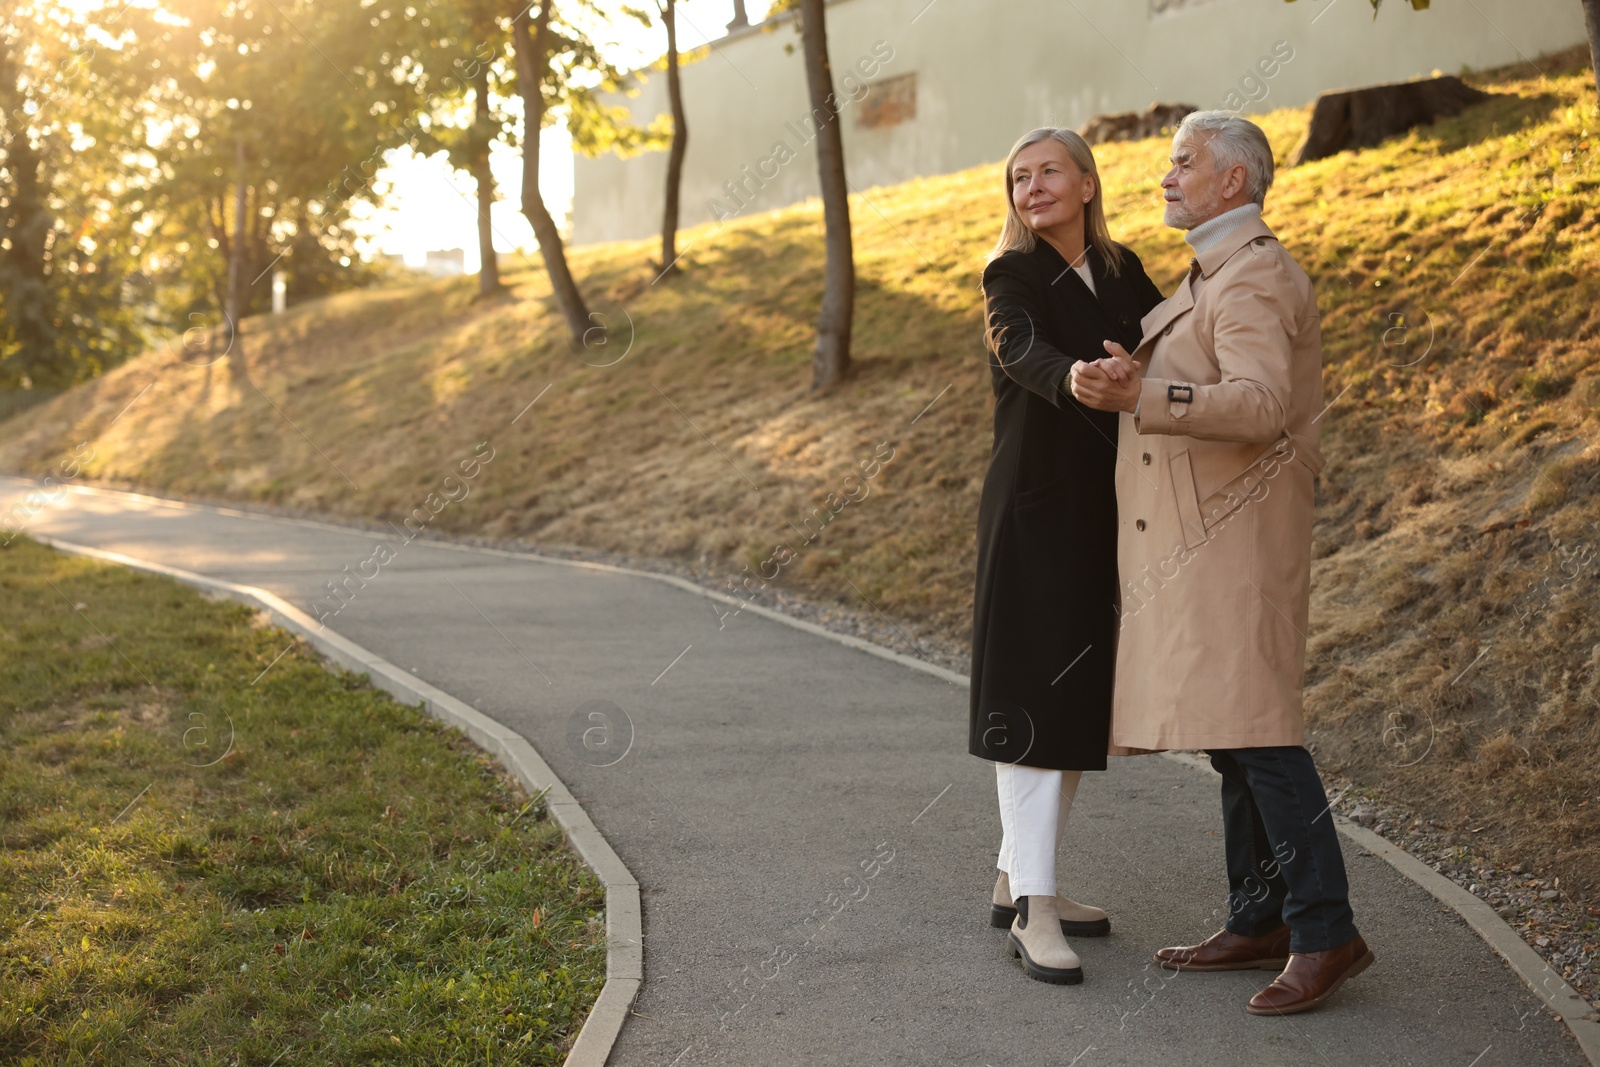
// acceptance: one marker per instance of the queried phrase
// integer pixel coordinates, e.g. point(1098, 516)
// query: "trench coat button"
point(1147, 459)
point(1139, 525)
point(1166, 332)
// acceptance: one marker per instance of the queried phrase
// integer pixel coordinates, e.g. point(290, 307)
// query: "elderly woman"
point(1044, 611)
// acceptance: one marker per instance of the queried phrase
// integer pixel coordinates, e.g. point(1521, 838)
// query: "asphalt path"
point(814, 847)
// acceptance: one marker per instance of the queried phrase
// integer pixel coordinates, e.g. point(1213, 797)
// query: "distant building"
point(935, 86)
point(444, 262)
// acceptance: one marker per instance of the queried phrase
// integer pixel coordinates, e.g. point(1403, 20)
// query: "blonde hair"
point(1018, 236)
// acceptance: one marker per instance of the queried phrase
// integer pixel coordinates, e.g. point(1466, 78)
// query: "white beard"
point(1187, 214)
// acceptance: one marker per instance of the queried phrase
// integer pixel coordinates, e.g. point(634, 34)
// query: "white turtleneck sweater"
point(1208, 233)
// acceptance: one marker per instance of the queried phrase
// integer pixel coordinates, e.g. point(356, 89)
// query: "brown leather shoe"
point(1310, 978)
point(1225, 951)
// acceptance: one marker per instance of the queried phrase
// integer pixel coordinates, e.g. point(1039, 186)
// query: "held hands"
point(1107, 384)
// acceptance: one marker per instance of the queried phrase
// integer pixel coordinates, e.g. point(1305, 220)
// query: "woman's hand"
point(1119, 366)
point(1108, 384)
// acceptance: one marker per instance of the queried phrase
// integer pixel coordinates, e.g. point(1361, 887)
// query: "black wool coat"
point(1044, 611)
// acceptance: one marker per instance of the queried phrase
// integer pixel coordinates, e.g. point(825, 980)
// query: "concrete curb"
point(1562, 1000)
point(624, 917)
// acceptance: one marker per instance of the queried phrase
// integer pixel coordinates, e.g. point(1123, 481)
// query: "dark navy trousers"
point(1284, 863)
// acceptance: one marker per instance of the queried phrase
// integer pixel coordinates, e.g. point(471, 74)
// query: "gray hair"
point(1234, 141)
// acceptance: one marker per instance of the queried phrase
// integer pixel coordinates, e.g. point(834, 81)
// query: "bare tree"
point(680, 142)
point(533, 62)
point(831, 361)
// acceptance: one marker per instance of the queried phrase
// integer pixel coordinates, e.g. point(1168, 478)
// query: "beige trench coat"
point(1214, 497)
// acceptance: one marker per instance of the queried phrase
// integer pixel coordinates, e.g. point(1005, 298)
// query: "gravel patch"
point(1565, 931)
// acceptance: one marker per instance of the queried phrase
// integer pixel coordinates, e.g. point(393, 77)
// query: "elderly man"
point(1218, 456)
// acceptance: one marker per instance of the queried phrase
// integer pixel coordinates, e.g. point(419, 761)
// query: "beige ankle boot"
point(1036, 939)
point(1077, 920)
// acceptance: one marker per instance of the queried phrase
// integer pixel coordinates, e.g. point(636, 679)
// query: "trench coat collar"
point(1212, 259)
point(1162, 316)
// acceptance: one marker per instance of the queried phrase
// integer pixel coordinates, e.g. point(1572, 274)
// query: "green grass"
point(198, 865)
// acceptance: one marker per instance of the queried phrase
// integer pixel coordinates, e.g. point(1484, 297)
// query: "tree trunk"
point(533, 57)
point(259, 247)
point(831, 361)
point(29, 307)
point(1135, 125)
point(680, 144)
point(236, 267)
point(296, 254)
point(1591, 22)
point(740, 19)
point(217, 213)
point(1364, 118)
point(489, 267)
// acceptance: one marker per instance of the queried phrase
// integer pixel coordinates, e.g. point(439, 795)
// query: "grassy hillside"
point(1455, 655)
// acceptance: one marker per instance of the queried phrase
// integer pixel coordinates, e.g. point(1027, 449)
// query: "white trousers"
point(1034, 805)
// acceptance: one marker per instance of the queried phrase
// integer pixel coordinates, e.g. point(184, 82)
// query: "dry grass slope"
point(1455, 656)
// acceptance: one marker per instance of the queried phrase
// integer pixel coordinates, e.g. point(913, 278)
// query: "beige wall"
point(987, 72)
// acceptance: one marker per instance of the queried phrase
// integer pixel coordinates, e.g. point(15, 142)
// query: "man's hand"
point(1110, 384)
